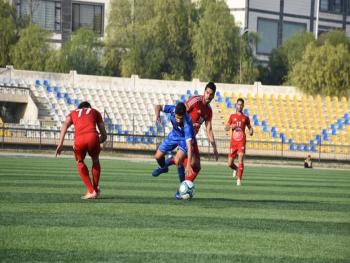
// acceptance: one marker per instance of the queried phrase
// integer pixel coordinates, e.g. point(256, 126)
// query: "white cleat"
point(234, 173)
point(89, 195)
point(239, 182)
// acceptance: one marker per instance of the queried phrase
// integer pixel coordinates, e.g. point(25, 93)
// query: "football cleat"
point(98, 192)
point(178, 196)
point(239, 182)
point(159, 171)
point(89, 195)
point(234, 173)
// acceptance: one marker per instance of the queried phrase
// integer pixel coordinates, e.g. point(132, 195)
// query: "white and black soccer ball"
point(187, 189)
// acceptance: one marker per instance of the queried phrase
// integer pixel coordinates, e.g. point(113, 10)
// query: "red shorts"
point(88, 143)
point(235, 148)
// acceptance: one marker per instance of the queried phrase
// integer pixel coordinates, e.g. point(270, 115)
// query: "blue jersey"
point(185, 129)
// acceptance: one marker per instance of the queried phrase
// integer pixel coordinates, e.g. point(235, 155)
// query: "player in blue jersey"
point(181, 136)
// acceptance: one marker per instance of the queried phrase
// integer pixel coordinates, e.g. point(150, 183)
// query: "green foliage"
point(32, 49)
point(142, 40)
point(323, 70)
point(248, 64)
point(81, 53)
point(334, 37)
point(8, 32)
point(216, 44)
point(283, 59)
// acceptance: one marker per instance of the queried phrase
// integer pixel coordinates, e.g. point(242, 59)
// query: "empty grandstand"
point(286, 122)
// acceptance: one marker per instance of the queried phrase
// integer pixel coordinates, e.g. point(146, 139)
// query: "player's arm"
point(210, 136)
point(157, 110)
point(250, 128)
point(67, 123)
point(103, 133)
point(188, 167)
point(229, 125)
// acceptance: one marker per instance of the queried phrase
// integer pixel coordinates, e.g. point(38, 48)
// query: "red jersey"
point(241, 121)
point(85, 121)
point(199, 111)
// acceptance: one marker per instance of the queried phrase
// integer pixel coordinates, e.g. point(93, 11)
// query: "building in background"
point(277, 20)
point(62, 17)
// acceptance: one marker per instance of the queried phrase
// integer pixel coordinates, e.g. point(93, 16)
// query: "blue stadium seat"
point(246, 112)
point(265, 129)
point(46, 83)
point(306, 148)
point(274, 134)
point(37, 82)
point(346, 116)
point(189, 93)
point(299, 147)
point(340, 124)
point(76, 102)
point(196, 93)
point(290, 141)
point(55, 89)
point(183, 98)
point(256, 123)
point(318, 139)
point(313, 148)
point(48, 88)
point(218, 94)
point(291, 147)
point(128, 139)
point(59, 95)
point(126, 132)
point(263, 123)
point(136, 139)
point(325, 137)
point(143, 140)
point(149, 140)
point(347, 122)
point(273, 129)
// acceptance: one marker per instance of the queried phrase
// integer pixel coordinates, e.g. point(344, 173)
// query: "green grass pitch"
point(278, 215)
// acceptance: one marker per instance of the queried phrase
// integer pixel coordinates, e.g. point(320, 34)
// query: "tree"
point(248, 64)
point(142, 40)
point(283, 59)
point(32, 49)
point(323, 70)
point(215, 44)
point(334, 37)
point(10, 25)
point(81, 53)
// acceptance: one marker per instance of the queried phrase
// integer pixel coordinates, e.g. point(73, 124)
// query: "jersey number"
point(239, 123)
point(81, 110)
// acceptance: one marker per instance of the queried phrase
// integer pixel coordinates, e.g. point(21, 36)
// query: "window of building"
point(290, 28)
point(334, 6)
point(89, 16)
point(45, 13)
point(267, 30)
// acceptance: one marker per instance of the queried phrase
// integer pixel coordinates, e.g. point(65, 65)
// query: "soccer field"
point(278, 215)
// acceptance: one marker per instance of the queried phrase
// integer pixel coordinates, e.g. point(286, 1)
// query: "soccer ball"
point(186, 189)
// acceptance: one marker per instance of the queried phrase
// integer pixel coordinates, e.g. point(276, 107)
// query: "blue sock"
point(181, 173)
point(168, 161)
point(161, 162)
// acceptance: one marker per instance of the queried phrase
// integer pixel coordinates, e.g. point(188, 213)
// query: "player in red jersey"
point(200, 111)
point(86, 140)
point(198, 107)
point(237, 123)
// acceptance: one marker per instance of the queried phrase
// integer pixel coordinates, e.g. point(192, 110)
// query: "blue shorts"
point(171, 142)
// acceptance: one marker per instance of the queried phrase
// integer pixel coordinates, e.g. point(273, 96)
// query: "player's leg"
point(94, 150)
point(195, 163)
point(167, 145)
point(181, 161)
point(240, 168)
point(231, 160)
point(80, 153)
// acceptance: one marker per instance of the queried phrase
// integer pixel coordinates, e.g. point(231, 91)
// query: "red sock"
point(233, 166)
point(96, 171)
point(193, 175)
point(240, 170)
point(84, 174)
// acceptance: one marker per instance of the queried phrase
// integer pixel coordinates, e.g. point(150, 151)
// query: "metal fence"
point(40, 138)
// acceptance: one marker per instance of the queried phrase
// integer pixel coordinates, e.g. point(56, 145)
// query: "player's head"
point(240, 105)
point(180, 111)
point(209, 92)
point(84, 104)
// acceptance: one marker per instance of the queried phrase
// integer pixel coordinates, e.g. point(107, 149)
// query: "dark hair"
point(84, 104)
point(240, 99)
point(211, 86)
point(180, 109)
